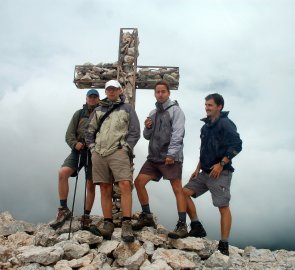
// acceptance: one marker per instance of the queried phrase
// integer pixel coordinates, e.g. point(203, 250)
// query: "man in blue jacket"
point(164, 128)
point(220, 143)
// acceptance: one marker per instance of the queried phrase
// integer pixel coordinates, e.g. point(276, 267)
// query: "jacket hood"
point(207, 120)
point(107, 103)
point(163, 106)
point(89, 108)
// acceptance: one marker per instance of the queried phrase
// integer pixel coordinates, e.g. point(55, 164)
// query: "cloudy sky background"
point(241, 49)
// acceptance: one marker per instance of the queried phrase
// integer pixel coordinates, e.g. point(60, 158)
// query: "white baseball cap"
point(112, 83)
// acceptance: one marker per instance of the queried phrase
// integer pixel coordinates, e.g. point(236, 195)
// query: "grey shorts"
point(159, 170)
point(72, 161)
point(219, 188)
point(112, 168)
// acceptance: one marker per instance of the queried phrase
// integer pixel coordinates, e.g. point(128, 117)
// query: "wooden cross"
point(125, 70)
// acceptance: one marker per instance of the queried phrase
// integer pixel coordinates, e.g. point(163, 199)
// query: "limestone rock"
point(107, 247)
point(188, 243)
point(8, 225)
point(62, 265)
point(85, 237)
point(81, 262)
point(156, 239)
point(99, 260)
point(175, 258)
point(149, 247)
point(5, 254)
point(45, 237)
point(72, 249)
point(217, 260)
point(156, 265)
point(125, 250)
point(134, 261)
point(42, 255)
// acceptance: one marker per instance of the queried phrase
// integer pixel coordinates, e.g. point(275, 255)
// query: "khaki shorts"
point(112, 168)
point(159, 170)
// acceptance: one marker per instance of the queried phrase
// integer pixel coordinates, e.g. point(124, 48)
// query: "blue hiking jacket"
point(219, 139)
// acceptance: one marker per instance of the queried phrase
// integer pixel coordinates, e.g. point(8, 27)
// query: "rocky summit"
point(28, 246)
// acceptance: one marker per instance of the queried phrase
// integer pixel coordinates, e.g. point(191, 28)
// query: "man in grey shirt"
point(164, 128)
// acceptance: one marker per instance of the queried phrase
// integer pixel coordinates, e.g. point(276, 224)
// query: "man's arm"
point(232, 139)
point(176, 142)
point(196, 172)
point(133, 129)
point(90, 132)
point(71, 134)
point(149, 126)
point(233, 144)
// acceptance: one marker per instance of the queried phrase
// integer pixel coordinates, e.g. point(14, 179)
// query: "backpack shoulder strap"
point(99, 124)
point(174, 104)
point(80, 116)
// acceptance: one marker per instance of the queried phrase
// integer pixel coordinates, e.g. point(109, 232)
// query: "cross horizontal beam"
point(95, 76)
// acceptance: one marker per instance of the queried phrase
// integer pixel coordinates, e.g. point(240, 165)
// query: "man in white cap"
point(112, 134)
point(79, 158)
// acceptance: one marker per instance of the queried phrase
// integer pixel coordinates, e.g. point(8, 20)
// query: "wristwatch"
point(222, 163)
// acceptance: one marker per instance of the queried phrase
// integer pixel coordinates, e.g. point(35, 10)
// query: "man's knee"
point(105, 188)
point(176, 186)
point(125, 186)
point(90, 186)
point(187, 192)
point(64, 173)
point(140, 181)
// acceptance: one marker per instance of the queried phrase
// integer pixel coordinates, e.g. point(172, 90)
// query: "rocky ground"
point(28, 246)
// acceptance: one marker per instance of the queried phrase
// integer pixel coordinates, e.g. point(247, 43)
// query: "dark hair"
point(218, 99)
point(162, 82)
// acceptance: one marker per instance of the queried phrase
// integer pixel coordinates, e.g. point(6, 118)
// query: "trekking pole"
point(86, 171)
point(70, 229)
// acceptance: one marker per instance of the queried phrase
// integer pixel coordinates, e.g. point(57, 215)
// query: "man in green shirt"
point(79, 157)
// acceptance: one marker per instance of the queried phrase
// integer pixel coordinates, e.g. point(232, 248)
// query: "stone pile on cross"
point(125, 70)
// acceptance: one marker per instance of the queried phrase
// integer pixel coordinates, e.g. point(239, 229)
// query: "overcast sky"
point(242, 49)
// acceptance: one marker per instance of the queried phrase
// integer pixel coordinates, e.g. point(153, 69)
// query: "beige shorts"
point(112, 168)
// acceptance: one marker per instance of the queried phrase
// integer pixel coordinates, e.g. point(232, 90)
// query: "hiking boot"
point(197, 230)
point(223, 247)
point(93, 229)
point(106, 230)
point(180, 231)
point(62, 216)
point(85, 222)
point(127, 232)
point(145, 219)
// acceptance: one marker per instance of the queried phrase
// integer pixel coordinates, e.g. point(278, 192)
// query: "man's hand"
point(194, 174)
point(148, 122)
point(79, 146)
point(169, 161)
point(216, 171)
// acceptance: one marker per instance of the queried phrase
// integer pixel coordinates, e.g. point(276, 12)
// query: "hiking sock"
point(182, 216)
point(63, 203)
point(87, 212)
point(146, 209)
point(225, 240)
point(108, 219)
point(126, 218)
point(195, 220)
